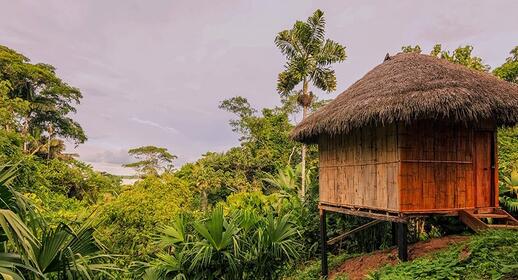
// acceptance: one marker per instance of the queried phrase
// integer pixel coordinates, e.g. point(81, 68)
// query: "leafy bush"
point(57, 208)
point(261, 204)
point(507, 149)
point(241, 245)
point(130, 220)
point(75, 179)
point(32, 249)
point(508, 194)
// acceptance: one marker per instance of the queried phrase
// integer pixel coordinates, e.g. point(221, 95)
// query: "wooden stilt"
point(394, 233)
point(323, 242)
point(402, 241)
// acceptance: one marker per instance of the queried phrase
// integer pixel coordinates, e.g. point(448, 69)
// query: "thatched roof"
point(409, 87)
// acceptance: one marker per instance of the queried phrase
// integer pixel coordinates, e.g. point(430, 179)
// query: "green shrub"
point(239, 245)
point(311, 270)
point(507, 149)
point(130, 220)
point(75, 179)
point(57, 208)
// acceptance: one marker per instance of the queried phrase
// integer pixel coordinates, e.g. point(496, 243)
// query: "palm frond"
point(13, 267)
point(50, 251)
point(287, 80)
point(166, 267)
point(15, 201)
point(19, 234)
point(317, 23)
point(330, 53)
point(219, 242)
point(286, 179)
point(302, 38)
point(284, 42)
point(174, 234)
point(299, 67)
point(7, 174)
point(76, 253)
point(324, 79)
point(509, 203)
point(282, 236)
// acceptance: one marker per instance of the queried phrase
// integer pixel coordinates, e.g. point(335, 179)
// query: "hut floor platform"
point(477, 219)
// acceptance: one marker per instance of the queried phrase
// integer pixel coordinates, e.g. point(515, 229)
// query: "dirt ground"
point(356, 268)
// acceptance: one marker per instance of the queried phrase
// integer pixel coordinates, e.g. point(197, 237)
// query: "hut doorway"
point(484, 167)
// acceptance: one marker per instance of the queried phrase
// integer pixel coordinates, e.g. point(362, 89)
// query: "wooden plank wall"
point(482, 168)
point(360, 169)
point(436, 171)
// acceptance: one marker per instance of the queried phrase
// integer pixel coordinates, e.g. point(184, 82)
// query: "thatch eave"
point(412, 87)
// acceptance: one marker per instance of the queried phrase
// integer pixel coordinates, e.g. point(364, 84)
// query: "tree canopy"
point(461, 55)
point(50, 100)
point(309, 55)
point(509, 70)
point(151, 160)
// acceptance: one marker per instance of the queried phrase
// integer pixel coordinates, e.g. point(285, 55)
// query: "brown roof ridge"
point(409, 87)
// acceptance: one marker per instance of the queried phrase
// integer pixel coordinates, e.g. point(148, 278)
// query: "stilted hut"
point(415, 136)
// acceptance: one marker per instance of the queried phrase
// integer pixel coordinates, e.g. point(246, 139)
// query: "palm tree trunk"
point(303, 153)
point(25, 132)
point(204, 200)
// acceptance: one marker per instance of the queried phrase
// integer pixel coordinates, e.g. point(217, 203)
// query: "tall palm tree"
point(309, 57)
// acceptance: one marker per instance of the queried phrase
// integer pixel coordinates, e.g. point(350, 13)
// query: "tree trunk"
point(51, 131)
point(204, 200)
point(25, 132)
point(303, 155)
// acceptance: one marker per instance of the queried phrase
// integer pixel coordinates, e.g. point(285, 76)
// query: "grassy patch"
point(491, 255)
point(311, 270)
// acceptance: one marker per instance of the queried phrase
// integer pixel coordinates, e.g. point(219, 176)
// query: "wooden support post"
point(323, 242)
point(402, 241)
point(394, 233)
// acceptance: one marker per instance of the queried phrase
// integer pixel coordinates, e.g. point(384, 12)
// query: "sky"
point(154, 72)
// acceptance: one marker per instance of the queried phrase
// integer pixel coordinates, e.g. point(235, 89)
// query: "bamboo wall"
point(360, 169)
point(424, 167)
point(446, 167)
